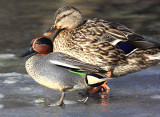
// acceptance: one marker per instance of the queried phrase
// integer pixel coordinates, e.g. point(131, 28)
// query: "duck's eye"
point(37, 42)
point(64, 15)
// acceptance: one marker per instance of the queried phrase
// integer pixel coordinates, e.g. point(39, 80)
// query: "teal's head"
point(41, 46)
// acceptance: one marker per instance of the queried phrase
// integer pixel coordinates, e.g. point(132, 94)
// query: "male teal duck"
point(111, 46)
point(59, 71)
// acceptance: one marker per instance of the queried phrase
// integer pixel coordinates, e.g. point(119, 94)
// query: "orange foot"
point(102, 88)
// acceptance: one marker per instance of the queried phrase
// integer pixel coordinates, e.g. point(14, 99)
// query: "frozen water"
point(24, 89)
point(39, 100)
point(10, 74)
point(1, 96)
point(156, 97)
point(11, 80)
point(134, 95)
point(69, 102)
point(1, 106)
point(7, 56)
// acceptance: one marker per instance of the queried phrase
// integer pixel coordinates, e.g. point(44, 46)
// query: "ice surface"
point(7, 56)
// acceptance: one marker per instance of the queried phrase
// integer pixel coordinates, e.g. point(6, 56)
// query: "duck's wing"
point(69, 62)
point(118, 35)
point(94, 75)
point(141, 43)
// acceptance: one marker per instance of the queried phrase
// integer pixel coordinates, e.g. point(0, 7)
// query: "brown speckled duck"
point(109, 45)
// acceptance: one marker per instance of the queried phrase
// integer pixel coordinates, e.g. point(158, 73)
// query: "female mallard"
point(109, 45)
point(59, 71)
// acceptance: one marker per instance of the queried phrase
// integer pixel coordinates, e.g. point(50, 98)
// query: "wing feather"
point(72, 63)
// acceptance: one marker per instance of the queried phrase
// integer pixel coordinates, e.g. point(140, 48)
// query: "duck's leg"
point(94, 90)
point(101, 88)
point(104, 87)
point(60, 103)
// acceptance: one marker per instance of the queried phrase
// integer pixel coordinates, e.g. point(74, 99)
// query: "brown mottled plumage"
point(96, 41)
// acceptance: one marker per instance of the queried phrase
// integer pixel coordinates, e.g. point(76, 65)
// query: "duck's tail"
point(139, 60)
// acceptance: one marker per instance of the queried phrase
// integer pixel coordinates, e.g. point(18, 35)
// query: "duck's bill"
point(52, 30)
point(28, 52)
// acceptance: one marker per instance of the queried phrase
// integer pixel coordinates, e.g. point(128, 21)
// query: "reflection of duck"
point(109, 45)
point(104, 101)
point(59, 71)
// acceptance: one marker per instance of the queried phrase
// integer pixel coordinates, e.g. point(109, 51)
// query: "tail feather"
point(138, 61)
point(141, 42)
point(155, 57)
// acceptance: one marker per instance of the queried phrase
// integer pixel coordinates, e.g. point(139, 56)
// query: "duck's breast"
point(52, 76)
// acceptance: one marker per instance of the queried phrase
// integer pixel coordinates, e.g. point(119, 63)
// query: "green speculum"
point(79, 73)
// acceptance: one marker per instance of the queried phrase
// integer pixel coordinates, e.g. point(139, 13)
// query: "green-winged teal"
point(59, 71)
point(108, 45)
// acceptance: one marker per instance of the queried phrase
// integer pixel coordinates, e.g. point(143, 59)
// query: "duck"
point(59, 71)
point(109, 45)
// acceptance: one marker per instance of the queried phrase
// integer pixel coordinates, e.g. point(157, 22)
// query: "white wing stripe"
point(62, 64)
point(94, 80)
